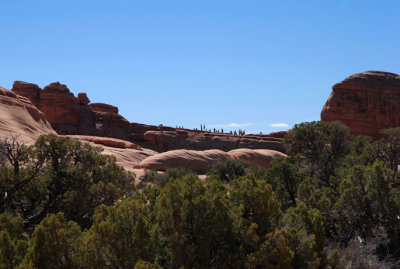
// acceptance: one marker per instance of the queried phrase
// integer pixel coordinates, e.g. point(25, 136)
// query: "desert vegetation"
point(334, 202)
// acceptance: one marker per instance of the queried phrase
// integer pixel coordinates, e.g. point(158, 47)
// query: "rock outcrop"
point(365, 102)
point(261, 157)
point(83, 99)
point(202, 161)
point(19, 117)
point(198, 161)
point(70, 115)
point(106, 141)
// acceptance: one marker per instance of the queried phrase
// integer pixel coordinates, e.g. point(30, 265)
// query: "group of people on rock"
point(215, 131)
point(221, 131)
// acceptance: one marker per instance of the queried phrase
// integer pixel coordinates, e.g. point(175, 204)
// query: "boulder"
point(366, 103)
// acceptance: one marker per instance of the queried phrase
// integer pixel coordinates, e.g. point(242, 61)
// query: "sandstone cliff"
point(365, 102)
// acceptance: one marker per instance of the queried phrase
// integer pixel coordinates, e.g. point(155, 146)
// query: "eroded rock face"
point(19, 117)
point(365, 102)
point(70, 115)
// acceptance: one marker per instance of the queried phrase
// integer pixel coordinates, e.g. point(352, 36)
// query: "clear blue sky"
point(220, 63)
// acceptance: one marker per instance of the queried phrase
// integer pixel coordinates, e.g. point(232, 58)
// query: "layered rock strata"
point(366, 103)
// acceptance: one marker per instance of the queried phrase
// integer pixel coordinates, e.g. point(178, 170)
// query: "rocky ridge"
point(70, 115)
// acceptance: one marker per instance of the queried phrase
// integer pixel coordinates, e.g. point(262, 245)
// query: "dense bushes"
point(334, 202)
point(58, 174)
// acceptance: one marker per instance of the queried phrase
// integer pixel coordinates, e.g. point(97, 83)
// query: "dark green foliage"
point(256, 203)
point(19, 166)
point(55, 243)
point(160, 179)
point(78, 178)
point(146, 265)
point(13, 244)
point(228, 170)
point(274, 252)
point(319, 146)
point(333, 202)
point(119, 236)
point(194, 225)
point(285, 176)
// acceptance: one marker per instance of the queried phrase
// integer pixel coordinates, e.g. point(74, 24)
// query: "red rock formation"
point(83, 99)
point(365, 102)
point(70, 115)
point(100, 107)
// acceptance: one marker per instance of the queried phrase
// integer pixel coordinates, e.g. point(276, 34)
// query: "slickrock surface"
point(106, 141)
point(261, 157)
point(202, 161)
point(366, 102)
point(19, 117)
point(199, 161)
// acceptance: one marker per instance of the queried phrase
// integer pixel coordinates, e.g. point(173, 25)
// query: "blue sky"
point(227, 64)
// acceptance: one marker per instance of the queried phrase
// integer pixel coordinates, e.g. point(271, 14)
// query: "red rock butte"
point(365, 102)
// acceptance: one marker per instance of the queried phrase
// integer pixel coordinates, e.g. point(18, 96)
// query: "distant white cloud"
point(238, 124)
point(279, 125)
point(231, 125)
